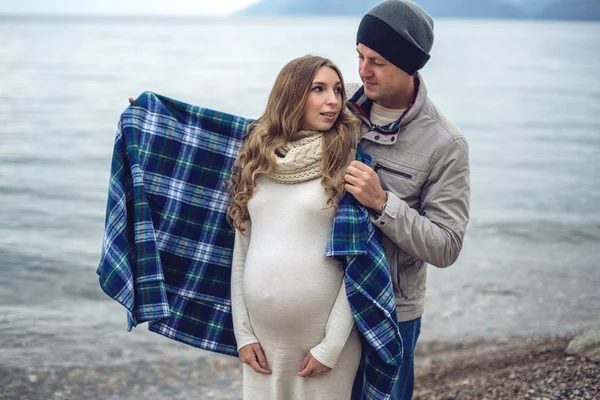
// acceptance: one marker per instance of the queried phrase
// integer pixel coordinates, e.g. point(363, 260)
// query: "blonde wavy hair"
point(279, 125)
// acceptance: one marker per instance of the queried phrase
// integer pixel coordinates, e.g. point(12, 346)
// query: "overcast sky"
point(155, 7)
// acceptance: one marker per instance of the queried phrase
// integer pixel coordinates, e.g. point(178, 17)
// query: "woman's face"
point(324, 101)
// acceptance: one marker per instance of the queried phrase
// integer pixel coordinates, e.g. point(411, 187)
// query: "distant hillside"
point(581, 10)
point(493, 9)
point(437, 8)
point(471, 9)
point(530, 7)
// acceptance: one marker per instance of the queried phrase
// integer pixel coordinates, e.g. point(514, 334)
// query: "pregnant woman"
point(292, 320)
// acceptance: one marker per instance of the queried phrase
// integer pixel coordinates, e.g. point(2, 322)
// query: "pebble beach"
point(534, 368)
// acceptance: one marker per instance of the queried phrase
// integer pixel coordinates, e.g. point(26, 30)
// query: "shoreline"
point(520, 368)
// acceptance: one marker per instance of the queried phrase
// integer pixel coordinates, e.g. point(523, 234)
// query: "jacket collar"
point(361, 105)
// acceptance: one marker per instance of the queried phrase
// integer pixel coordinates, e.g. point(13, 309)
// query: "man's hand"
point(310, 367)
point(131, 99)
point(363, 183)
point(252, 354)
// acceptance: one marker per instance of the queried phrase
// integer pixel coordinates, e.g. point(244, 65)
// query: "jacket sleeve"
point(242, 328)
point(338, 328)
point(435, 232)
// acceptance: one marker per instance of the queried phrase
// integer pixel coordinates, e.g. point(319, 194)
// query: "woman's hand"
point(310, 367)
point(252, 354)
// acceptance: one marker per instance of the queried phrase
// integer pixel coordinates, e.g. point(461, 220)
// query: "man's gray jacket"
point(422, 161)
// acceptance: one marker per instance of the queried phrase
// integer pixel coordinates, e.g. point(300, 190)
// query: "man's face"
point(384, 83)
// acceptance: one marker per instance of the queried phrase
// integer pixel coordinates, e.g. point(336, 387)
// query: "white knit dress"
point(290, 298)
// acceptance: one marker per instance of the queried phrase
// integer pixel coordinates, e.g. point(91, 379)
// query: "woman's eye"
point(317, 89)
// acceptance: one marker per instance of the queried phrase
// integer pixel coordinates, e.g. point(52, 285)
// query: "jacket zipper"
point(394, 172)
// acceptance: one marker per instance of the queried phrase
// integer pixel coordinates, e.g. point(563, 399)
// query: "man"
point(418, 184)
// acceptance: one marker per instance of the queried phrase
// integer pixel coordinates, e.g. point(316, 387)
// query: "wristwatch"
point(378, 215)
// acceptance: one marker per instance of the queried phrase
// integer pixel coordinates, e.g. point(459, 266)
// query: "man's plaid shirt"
point(167, 247)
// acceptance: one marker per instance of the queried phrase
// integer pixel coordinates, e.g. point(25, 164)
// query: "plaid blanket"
point(167, 247)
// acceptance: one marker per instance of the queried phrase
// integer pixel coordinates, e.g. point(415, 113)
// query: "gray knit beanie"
point(399, 30)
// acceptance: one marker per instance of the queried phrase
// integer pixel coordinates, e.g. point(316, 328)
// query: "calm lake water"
point(525, 94)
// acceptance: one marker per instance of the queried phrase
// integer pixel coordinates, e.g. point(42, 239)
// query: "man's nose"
point(364, 70)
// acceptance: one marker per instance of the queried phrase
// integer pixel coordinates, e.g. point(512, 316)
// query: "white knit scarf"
point(300, 160)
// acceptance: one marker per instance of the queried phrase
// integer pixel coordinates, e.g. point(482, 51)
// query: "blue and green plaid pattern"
point(167, 248)
point(355, 242)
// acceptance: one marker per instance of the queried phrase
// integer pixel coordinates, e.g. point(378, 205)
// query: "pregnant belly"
point(292, 297)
